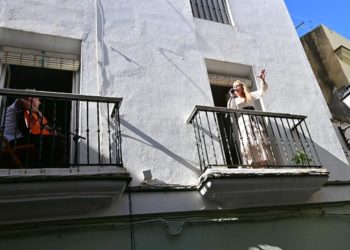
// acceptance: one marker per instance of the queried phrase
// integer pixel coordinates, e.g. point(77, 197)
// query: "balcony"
point(255, 157)
point(65, 151)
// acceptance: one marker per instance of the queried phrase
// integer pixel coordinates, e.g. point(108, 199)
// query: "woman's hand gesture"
point(262, 75)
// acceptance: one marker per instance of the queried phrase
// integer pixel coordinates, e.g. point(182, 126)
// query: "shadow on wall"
point(128, 59)
point(338, 170)
point(191, 26)
point(147, 140)
point(167, 54)
point(104, 60)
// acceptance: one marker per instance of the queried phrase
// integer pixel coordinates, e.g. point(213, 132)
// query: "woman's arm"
point(263, 85)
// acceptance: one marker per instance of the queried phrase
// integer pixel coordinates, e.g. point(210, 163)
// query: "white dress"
point(254, 146)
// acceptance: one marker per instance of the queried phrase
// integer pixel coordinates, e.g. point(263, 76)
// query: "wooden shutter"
point(37, 58)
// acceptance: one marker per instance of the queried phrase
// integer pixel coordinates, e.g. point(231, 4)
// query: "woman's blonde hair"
point(247, 96)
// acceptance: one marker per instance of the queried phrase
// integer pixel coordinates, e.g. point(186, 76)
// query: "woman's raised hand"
point(262, 75)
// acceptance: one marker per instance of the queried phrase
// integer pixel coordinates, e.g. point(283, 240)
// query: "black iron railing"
point(254, 139)
point(65, 130)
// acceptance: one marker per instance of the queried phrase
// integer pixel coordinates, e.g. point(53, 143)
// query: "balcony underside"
point(261, 186)
point(27, 194)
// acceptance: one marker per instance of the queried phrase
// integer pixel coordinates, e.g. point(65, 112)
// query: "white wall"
point(301, 229)
point(152, 53)
point(264, 37)
point(152, 61)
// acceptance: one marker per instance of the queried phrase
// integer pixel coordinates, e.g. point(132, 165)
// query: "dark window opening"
point(228, 130)
point(42, 79)
point(51, 150)
point(212, 10)
point(23, 77)
point(220, 95)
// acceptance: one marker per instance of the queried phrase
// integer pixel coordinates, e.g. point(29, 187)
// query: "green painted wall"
point(312, 231)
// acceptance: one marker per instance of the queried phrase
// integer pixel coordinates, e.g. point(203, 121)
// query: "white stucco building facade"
point(158, 57)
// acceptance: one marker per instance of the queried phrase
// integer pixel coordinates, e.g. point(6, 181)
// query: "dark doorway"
point(42, 79)
point(227, 125)
point(22, 77)
point(57, 112)
point(220, 95)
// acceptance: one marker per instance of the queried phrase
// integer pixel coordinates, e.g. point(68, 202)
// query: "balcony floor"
point(261, 185)
point(31, 194)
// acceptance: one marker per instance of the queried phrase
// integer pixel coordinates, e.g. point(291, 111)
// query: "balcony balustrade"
point(67, 130)
point(66, 151)
point(253, 155)
point(227, 137)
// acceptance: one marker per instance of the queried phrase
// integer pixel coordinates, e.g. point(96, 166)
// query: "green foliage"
point(301, 158)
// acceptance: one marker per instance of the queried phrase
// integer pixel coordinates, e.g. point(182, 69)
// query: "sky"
point(332, 13)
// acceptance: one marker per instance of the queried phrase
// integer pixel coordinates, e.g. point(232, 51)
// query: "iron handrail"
point(198, 108)
point(76, 123)
point(251, 138)
point(59, 95)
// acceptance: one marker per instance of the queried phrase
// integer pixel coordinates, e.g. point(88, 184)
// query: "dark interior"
point(23, 77)
point(42, 79)
point(220, 95)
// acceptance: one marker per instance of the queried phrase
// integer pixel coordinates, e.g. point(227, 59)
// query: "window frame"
point(209, 7)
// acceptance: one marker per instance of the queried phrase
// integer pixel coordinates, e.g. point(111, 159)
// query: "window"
point(44, 63)
point(220, 85)
point(221, 76)
point(343, 53)
point(39, 70)
point(213, 10)
point(38, 61)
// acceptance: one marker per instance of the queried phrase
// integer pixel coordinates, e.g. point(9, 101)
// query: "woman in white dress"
point(254, 147)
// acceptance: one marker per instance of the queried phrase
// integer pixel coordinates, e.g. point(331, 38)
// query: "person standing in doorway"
point(254, 146)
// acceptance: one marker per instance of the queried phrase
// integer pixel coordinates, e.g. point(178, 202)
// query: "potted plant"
point(301, 158)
